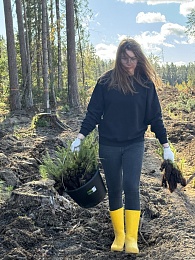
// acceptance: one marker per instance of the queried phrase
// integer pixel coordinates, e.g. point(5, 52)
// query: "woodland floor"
point(36, 223)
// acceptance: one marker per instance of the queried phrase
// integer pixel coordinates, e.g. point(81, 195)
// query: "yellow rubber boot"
point(117, 217)
point(132, 218)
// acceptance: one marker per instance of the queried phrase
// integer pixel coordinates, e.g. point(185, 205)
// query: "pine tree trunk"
point(15, 103)
point(50, 60)
point(38, 22)
point(25, 60)
point(80, 47)
point(71, 57)
point(45, 56)
point(60, 80)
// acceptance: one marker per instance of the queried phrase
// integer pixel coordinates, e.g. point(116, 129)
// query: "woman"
point(124, 102)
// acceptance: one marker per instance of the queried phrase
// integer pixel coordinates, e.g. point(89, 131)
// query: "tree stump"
point(42, 119)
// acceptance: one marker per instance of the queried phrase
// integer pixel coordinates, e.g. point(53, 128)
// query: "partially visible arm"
point(154, 118)
point(153, 115)
point(94, 111)
point(93, 116)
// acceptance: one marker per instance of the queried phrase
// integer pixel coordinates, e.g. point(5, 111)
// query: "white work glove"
point(168, 154)
point(75, 146)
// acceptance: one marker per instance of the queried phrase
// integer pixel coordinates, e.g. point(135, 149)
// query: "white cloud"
point(153, 2)
point(169, 45)
point(150, 38)
point(186, 8)
point(156, 2)
point(173, 29)
point(150, 42)
point(105, 51)
point(181, 42)
point(150, 17)
point(121, 37)
point(132, 1)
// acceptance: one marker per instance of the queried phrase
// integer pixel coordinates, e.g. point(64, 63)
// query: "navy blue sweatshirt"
point(122, 119)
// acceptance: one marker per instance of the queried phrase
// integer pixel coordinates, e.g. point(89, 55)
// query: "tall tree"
point(50, 60)
point(80, 45)
point(73, 95)
point(38, 30)
point(25, 59)
point(60, 80)
point(45, 56)
point(15, 103)
point(82, 16)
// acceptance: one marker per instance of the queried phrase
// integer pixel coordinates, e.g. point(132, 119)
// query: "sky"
point(158, 25)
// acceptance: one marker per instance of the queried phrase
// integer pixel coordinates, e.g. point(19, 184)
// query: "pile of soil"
point(37, 223)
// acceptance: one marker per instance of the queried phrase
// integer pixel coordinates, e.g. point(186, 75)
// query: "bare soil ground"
point(36, 223)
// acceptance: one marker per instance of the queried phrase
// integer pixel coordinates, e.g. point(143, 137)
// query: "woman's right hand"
point(75, 146)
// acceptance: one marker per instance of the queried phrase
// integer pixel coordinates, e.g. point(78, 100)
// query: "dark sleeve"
point(94, 111)
point(153, 115)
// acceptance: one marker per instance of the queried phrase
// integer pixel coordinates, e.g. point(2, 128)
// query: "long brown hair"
point(119, 77)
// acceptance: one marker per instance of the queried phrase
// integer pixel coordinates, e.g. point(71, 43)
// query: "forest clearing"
point(37, 223)
point(48, 65)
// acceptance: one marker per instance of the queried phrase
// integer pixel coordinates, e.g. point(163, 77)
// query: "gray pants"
point(122, 169)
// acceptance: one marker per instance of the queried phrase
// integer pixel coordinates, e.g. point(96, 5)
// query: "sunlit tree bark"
point(25, 60)
point(73, 95)
point(15, 103)
point(45, 56)
point(50, 60)
point(60, 80)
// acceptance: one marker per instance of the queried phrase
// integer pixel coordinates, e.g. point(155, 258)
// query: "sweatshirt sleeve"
point(94, 111)
point(153, 115)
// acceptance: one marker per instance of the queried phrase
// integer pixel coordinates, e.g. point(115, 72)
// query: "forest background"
point(49, 64)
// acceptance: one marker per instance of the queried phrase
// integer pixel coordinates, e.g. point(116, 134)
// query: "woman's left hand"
point(168, 154)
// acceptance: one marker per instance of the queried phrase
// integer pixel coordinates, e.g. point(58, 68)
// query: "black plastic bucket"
point(91, 193)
